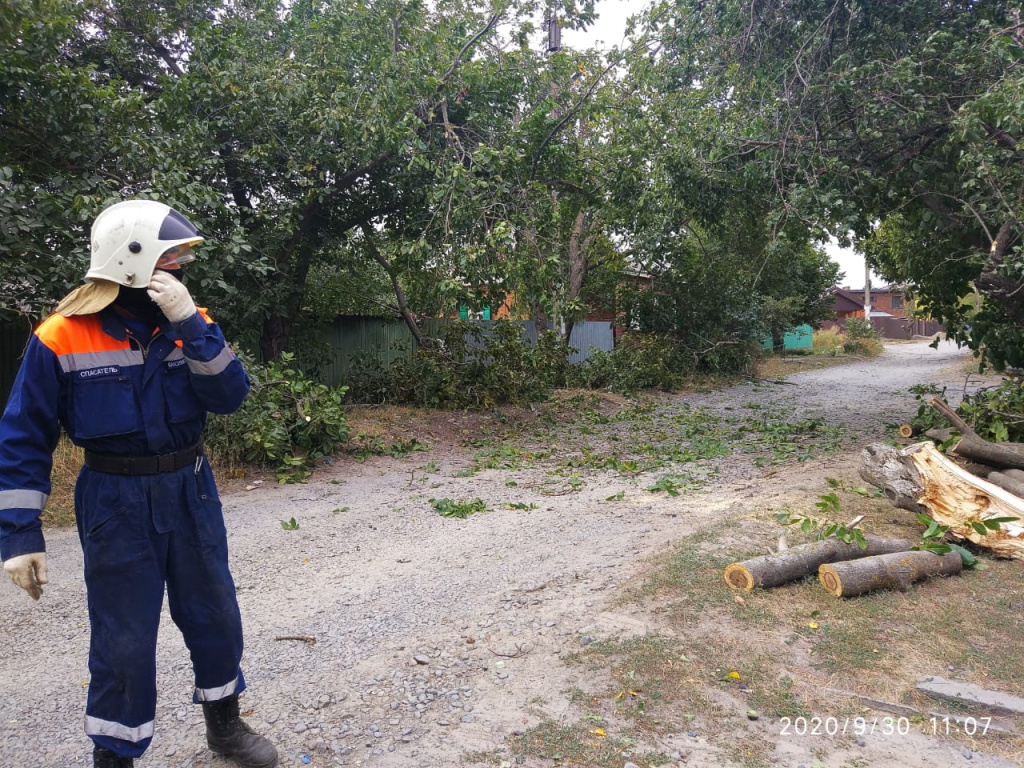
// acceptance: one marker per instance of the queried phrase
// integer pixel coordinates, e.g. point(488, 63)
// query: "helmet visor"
point(174, 257)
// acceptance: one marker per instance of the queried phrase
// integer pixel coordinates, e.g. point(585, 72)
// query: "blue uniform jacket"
point(117, 387)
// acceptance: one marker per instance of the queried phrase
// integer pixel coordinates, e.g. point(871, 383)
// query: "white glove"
point(171, 296)
point(28, 572)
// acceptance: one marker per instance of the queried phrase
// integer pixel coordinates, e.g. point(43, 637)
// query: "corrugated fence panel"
point(348, 337)
point(389, 340)
point(13, 338)
point(588, 336)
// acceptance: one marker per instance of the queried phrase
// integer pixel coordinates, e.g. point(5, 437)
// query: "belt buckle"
point(165, 462)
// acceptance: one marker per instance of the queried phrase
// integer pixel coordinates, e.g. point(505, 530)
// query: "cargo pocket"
point(105, 407)
point(109, 513)
point(206, 510)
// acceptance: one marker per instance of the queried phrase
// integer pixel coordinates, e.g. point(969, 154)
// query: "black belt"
point(143, 465)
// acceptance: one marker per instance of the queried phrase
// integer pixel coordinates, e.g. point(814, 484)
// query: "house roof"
point(879, 289)
point(847, 301)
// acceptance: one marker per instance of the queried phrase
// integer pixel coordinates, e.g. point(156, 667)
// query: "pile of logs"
point(986, 483)
point(844, 569)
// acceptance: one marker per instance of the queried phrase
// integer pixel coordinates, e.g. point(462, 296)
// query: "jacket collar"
point(117, 326)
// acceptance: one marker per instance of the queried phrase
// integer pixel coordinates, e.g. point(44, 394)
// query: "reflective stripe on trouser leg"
point(201, 592)
point(124, 579)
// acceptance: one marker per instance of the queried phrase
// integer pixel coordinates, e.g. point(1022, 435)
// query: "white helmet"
point(129, 238)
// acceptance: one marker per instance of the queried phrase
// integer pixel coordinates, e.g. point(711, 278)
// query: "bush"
point(288, 421)
point(828, 341)
point(997, 413)
point(867, 347)
point(467, 368)
point(639, 361)
point(859, 328)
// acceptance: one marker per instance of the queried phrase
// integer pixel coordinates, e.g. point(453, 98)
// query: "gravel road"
point(374, 629)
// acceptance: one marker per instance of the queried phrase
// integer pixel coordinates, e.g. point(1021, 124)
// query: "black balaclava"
point(137, 302)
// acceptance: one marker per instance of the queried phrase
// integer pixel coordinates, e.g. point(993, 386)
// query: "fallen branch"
point(895, 571)
point(797, 562)
point(971, 446)
point(520, 651)
point(304, 638)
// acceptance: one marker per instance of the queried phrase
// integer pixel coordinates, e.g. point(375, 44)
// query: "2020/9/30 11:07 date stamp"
point(885, 726)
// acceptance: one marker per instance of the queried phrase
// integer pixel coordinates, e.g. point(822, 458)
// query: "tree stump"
point(896, 571)
point(802, 560)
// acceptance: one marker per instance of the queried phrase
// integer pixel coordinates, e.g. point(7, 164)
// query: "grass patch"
point(778, 650)
point(60, 507)
point(585, 743)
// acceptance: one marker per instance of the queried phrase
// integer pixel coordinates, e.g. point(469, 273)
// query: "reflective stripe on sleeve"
point(96, 727)
point(211, 367)
point(216, 694)
point(22, 499)
point(80, 361)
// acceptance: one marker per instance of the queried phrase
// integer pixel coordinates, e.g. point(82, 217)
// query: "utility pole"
point(867, 292)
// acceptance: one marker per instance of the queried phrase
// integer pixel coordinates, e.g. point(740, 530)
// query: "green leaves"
point(288, 421)
point(458, 509)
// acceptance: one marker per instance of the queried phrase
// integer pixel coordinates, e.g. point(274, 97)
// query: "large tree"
point(297, 135)
point(897, 120)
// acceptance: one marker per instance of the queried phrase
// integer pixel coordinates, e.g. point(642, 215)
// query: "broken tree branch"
point(971, 446)
point(919, 478)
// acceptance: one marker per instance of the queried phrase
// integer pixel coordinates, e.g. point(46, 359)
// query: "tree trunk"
point(403, 308)
point(579, 264)
point(1008, 483)
point(274, 337)
point(797, 562)
point(885, 468)
point(896, 571)
point(921, 479)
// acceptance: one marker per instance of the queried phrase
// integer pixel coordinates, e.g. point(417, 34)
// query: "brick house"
point(886, 301)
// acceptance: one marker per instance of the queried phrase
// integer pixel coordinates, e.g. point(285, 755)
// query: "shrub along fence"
point(331, 350)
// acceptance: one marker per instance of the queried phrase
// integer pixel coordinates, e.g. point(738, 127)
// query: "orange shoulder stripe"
point(78, 333)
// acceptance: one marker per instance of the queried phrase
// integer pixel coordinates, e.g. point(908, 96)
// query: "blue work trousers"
point(140, 534)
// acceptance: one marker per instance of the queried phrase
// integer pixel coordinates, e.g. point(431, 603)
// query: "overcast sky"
point(607, 32)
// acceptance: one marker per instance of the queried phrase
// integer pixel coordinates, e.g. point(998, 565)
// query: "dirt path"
point(434, 636)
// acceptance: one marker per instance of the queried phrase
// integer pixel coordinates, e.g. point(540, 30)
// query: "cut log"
point(797, 562)
point(909, 430)
point(971, 446)
point(1007, 483)
point(919, 478)
point(895, 571)
point(940, 435)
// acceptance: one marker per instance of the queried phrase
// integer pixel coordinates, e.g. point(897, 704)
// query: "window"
point(897, 301)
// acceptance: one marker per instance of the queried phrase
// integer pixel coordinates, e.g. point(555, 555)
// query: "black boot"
point(104, 758)
point(229, 735)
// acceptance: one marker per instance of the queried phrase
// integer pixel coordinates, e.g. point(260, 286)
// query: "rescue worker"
point(129, 367)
